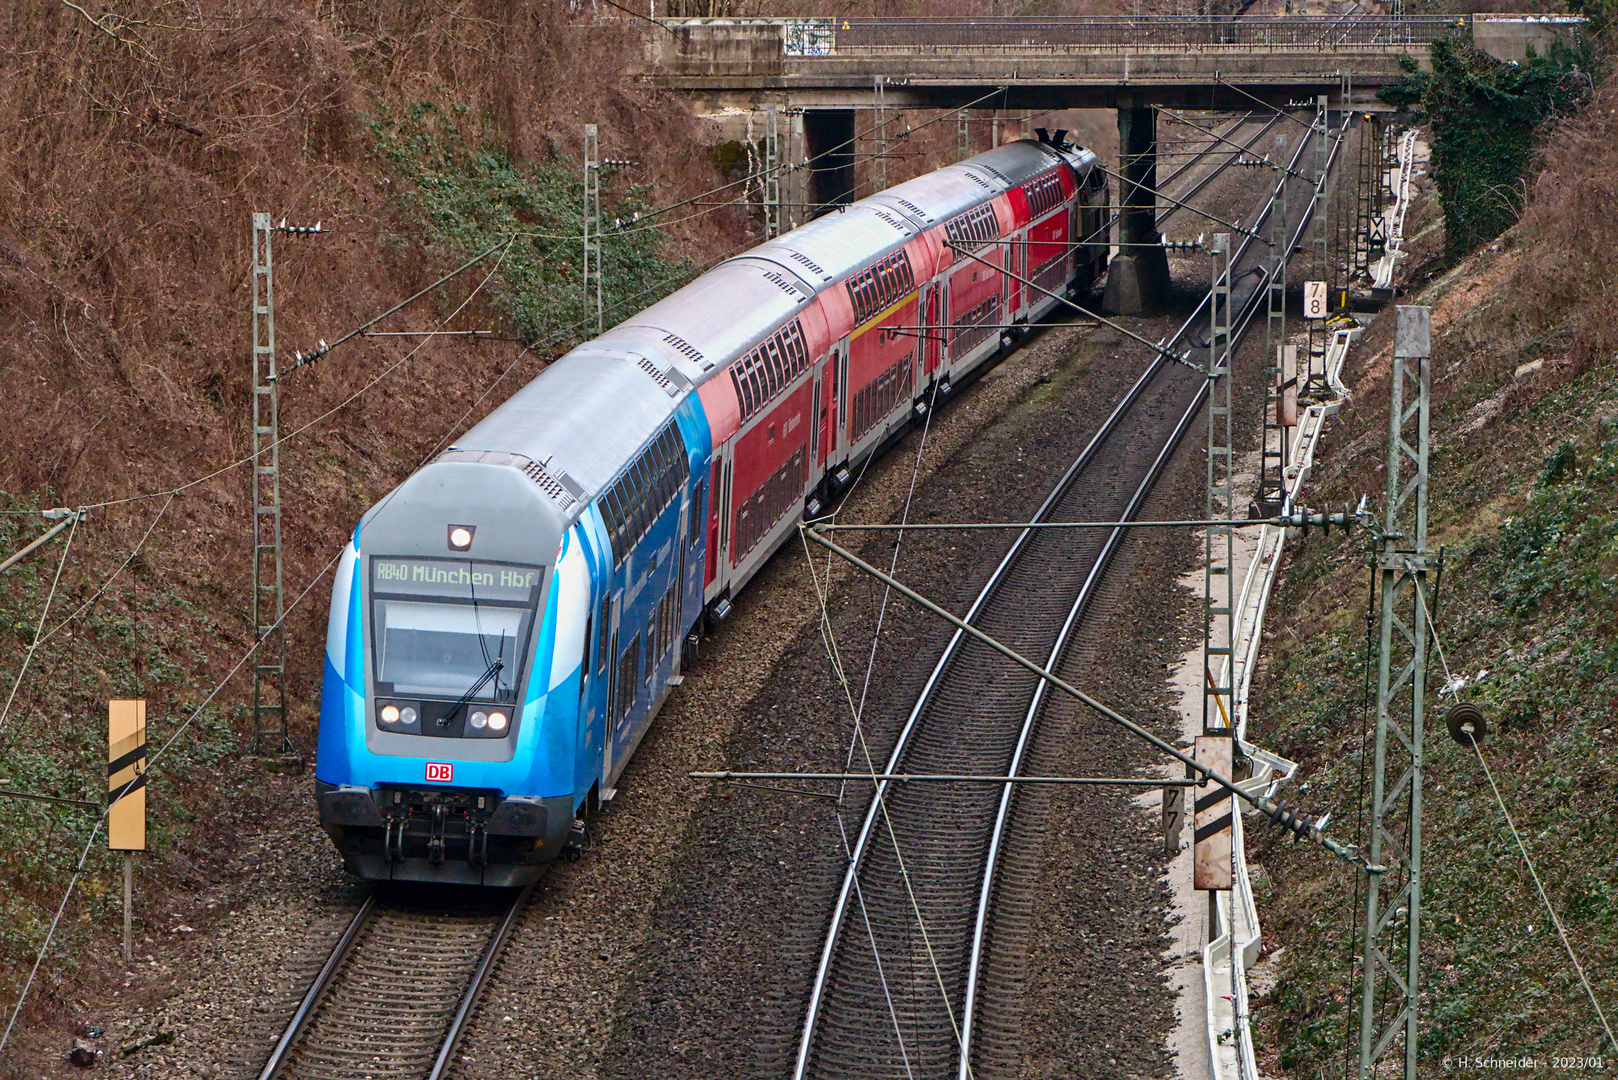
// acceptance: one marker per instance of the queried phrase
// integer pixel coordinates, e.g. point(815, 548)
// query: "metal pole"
point(879, 162)
point(592, 220)
point(1299, 825)
point(1218, 591)
point(72, 516)
point(1273, 448)
point(269, 663)
point(1400, 700)
point(963, 137)
point(129, 894)
point(1322, 215)
point(772, 174)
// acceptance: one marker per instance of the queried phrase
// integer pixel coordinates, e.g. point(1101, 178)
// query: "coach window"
point(633, 503)
point(751, 374)
point(604, 642)
point(643, 495)
point(628, 669)
point(777, 370)
point(694, 526)
point(669, 459)
point(666, 462)
point(615, 521)
point(658, 465)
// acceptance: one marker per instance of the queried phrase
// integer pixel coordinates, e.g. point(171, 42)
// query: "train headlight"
point(407, 715)
point(497, 721)
point(460, 537)
point(479, 719)
point(390, 714)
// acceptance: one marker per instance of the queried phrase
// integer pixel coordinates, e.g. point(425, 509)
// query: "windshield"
point(440, 627)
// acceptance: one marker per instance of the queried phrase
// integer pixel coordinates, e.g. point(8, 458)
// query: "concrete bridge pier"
point(1138, 277)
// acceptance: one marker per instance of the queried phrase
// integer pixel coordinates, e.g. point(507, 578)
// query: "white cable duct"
point(1224, 969)
point(1382, 275)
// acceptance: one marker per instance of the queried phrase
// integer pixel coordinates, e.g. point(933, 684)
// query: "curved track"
point(916, 951)
point(397, 990)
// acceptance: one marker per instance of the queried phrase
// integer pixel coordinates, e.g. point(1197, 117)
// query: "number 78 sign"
point(1314, 299)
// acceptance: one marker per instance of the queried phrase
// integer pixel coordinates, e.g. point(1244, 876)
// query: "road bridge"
point(816, 72)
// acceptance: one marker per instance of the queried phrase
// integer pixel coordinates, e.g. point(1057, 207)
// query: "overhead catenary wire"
point(1511, 824)
point(904, 873)
point(253, 648)
point(790, 168)
point(164, 748)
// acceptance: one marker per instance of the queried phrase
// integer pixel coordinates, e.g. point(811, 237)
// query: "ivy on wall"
point(1484, 116)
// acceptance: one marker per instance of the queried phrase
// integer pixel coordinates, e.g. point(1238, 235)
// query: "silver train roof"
point(583, 417)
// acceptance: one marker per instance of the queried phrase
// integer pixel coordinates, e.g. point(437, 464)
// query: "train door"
point(932, 348)
point(716, 472)
point(1018, 262)
point(725, 561)
point(817, 424)
point(842, 397)
point(609, 704)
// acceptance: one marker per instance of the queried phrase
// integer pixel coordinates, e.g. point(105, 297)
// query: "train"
point(506, 623)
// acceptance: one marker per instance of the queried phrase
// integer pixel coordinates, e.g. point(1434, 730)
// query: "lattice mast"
point(772, 173)
point(269, 662)
point(1218, 589)
point(1401, 681)
point(1273, 449)
point(592, 223)
point(879, 160)
point(1316, 380)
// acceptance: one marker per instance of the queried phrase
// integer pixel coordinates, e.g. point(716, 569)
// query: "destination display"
point(461, 579)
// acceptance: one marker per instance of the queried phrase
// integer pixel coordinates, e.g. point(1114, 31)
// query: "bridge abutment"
point(1138, 277)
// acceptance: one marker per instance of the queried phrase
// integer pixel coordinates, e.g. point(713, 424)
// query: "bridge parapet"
point(1186, 58)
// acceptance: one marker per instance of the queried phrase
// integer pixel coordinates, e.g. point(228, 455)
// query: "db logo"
point(440, 772)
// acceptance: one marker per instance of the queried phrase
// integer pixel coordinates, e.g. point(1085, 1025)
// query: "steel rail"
point(474, 989)
point(1206, 180)
point(1102, 561)
point(317, 990)
point(1199, 154)
point(292, 1037)
point(856, 854)
point(1103, 558)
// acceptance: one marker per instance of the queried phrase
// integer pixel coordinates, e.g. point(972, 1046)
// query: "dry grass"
point(135, 141)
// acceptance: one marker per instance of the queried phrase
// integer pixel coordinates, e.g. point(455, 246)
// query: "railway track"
point(398, 989)
point(919, 972)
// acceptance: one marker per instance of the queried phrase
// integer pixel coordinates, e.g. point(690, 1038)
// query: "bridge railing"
point(1147, 32)
point(810, 37)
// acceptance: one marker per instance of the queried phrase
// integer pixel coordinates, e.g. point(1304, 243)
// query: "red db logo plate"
point(440, 772)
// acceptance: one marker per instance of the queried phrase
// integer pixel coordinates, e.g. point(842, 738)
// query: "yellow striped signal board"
point(126, 775)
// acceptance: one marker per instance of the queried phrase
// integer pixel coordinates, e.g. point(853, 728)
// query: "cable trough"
point(919, 971)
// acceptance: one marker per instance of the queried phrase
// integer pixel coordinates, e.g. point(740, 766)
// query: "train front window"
point(449, 628)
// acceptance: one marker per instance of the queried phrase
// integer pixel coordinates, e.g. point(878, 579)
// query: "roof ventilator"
point(895, 222)
point(799, 256)
point(786, 285)
point(685, 348)
point(672, 381)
